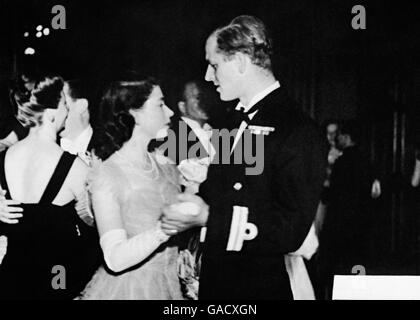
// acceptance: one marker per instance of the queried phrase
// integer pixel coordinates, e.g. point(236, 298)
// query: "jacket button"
point(237, 186)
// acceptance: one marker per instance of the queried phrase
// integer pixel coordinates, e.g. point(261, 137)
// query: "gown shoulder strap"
point(58, 177)
point(3, 181)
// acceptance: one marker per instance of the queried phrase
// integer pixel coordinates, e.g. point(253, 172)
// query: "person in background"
point(331, 131)
point(11, 130)
point(332, 128)
point(77, 135)
point(345, 238)
point(194, 109)
point(47, 182)
point(189, 134)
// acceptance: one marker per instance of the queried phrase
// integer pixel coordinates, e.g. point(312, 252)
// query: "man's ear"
point(82, 105)
point(181, 107)
point(242, 61)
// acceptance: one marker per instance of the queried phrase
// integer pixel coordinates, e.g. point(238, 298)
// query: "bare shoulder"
point(26, 153)
point(79, 169)
point(76, 177)
point(16, 148)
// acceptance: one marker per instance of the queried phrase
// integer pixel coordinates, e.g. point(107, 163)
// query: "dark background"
point(332, 70)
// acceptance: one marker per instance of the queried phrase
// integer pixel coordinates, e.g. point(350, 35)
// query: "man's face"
point(222, 72)
point(332, 133)
point(342, 141)
point(61, 113)
point(194, 103)
point(73, 118)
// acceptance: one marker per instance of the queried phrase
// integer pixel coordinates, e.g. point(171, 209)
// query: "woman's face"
point(154, 117)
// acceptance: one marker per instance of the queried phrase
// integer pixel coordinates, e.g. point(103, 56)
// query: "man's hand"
point(8, 212)
point(190, 212)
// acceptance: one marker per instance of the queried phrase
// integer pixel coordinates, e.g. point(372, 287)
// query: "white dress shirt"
point(79, 145)
point(257, 98)
point(203, 134)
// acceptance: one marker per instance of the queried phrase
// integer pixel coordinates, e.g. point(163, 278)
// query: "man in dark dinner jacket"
point(254, 211)
point(189, 134)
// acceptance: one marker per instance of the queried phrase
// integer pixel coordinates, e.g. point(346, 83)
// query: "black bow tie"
point(240, 114)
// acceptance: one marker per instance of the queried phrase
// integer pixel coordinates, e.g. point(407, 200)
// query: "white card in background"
point(362, 287)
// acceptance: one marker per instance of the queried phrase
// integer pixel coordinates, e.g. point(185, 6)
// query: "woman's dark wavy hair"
point(117, 123)
point(46, 95)
point(246, 34)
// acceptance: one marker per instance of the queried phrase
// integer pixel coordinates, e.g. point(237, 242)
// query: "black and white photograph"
point(209, 151)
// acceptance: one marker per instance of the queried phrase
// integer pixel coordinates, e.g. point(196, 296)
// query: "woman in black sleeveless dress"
point(48, 249)
point(46, 240)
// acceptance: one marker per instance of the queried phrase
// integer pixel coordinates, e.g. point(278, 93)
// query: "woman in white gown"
point(129, 189)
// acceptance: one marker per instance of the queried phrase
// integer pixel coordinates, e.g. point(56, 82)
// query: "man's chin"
point(222, 95)
point(226, 98)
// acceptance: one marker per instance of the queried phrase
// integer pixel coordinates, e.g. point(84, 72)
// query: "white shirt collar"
point(203, 134)
point(259, 96)
point(78, 145)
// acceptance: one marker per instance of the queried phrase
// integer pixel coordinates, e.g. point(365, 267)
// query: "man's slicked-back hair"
point(85, 88)
point(246, 34)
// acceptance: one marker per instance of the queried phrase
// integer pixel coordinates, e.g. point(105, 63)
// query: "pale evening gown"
point(141, 193)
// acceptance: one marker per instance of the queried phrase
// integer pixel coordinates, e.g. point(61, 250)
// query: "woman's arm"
point(120, 251)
